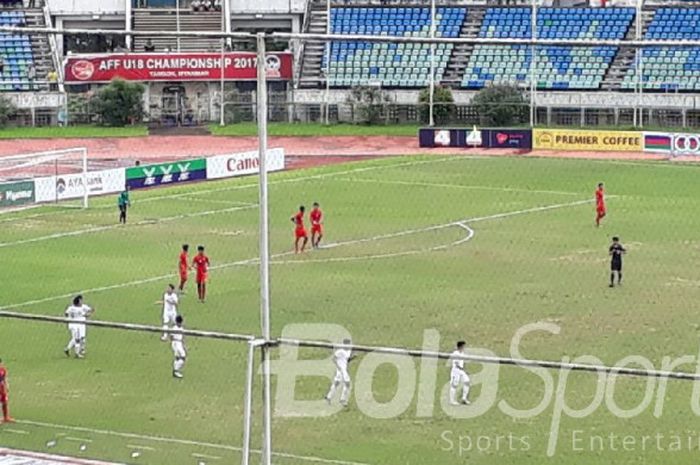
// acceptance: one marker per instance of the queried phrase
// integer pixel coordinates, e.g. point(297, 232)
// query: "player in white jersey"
point(341, 358)
point(170, 303)
point(78, 331)
point(177, 342)
point(459, 377)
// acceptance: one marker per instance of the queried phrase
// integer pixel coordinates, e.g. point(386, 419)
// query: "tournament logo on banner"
point(178, 172)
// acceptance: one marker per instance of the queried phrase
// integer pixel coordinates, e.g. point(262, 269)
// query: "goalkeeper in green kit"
point(124, 203)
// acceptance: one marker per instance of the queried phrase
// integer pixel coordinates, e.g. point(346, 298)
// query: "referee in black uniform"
point(616, 252)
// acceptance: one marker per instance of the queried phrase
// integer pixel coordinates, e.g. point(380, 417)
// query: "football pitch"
point(475, 248)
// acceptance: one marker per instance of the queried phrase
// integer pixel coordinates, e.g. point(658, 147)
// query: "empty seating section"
point(16, 53)
point(670, 68)
point(558, 67)
point(397, 65)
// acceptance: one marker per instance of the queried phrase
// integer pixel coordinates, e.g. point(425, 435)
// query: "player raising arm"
point(184, 260)
point(599, 204)
point(316, 217)
point(77, 313)
point(616, 252)
point(178, 345)
point(299, 230)
point(458, 377)
point(4, 393)
point(170, 302)
point(201, 263)
point(341, 358)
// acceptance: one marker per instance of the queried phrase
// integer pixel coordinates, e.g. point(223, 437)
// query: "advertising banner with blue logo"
point(73, 185)
point(676, 144)
point(178, 172)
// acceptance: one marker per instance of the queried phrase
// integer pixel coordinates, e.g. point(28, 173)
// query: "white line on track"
point(459, 186)
point(185, 442)
point(252, 261)
point(95, 229)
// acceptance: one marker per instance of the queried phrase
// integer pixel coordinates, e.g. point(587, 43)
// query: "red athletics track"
point(302, 151)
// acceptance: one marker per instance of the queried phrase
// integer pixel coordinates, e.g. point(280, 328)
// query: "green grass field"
point(534, 264)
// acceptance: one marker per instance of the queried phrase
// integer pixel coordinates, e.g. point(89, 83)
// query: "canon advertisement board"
point(241, 164)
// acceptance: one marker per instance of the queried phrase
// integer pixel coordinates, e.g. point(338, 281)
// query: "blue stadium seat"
point(16, 53)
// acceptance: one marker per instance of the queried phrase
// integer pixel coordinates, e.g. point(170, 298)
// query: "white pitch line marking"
point(459, 186)
point(95, 229)
point(205, 456)
point(69, 438)
point(15, 431)
point(254, 260)
point(185, 442)
point(137, 447)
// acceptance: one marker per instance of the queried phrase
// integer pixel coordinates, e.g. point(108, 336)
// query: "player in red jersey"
point(184, 260)
point(599, 204)
point(316, 217)
point(300, 230)
point(201, 263)
point(4, 390)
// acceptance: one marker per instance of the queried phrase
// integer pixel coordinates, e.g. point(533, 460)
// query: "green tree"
point(7, 109)
point(500, 105)
point(368, 102)
point(120, 103)
point(443, 105)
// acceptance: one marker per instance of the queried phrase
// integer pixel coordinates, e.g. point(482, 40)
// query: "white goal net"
point(60, 177)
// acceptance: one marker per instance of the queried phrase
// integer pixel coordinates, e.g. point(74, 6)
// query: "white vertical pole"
point(127, 24)
point(431, 81)
point(533, 64)
point(639, 70)
point(177, 22)
point(248, 403)
point(83, 152)
point(327, 96)
point(222, 100)
point(264, 250)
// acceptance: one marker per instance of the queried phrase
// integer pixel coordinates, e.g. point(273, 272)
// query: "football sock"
point(465, 392)
point(345, 394)
point(453, 395)
point(5, 411)
point(331, 391)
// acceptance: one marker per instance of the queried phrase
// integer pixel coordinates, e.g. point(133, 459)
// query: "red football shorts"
point(201, 278)
point(3, 397)
point(600, 209)
point(300, 232)
point(183, 273)
point(316, 229)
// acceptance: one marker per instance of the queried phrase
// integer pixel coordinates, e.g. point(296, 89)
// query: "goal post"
point(54, 177)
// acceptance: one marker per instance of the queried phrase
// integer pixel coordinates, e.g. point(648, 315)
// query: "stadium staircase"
point(313, 50)
point(20, 51)
point(166, 20)
point(461, 52)
point(622, 62)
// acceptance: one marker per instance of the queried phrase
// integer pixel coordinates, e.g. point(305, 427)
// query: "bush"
point(500, 105)
point(368, 102)
point(443, 105)
point(7, 109)
point(120, 103)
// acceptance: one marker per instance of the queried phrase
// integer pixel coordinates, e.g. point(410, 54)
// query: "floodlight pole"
point(431, 91)
point(533, 64)
point(639, 54)
point(177, 22)
point(86, 189)
point(264, 249)
point(222, 100)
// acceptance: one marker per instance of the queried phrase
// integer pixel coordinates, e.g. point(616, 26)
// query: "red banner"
point(237, 66)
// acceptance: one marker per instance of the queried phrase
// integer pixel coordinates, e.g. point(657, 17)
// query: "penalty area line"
point(186, 442)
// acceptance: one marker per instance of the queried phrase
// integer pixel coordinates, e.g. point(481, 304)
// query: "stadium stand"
point(395, 65)
point(158, 19)
point(20, 52)
point(670, 68)
point(558, 68)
